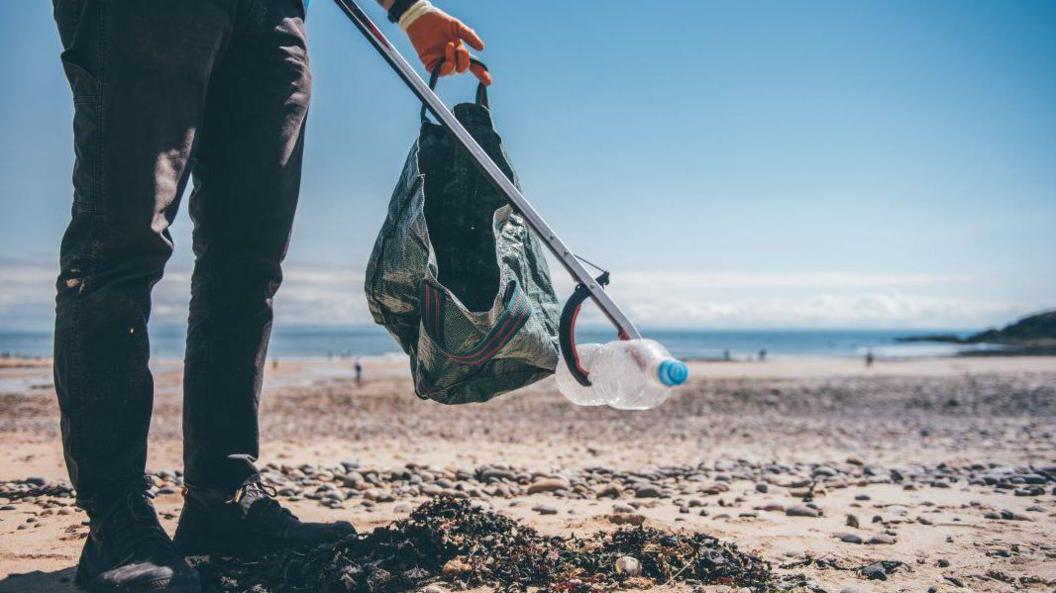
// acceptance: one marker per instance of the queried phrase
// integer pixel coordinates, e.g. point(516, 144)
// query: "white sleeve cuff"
point(415, 12)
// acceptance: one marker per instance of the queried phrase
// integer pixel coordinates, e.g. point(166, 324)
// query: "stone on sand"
point(548, 485)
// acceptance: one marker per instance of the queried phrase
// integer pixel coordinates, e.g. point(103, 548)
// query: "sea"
point(310, 342)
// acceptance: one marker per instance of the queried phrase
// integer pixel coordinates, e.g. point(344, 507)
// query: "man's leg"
point(138, 71)
point(247, 176)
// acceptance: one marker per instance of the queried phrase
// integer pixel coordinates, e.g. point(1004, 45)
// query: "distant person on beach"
point(762, 355)
point(359, 372)
point(869, 357)
point(726, 355)
point(163, 91)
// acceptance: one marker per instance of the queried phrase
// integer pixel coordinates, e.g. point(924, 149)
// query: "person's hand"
point(438, 38)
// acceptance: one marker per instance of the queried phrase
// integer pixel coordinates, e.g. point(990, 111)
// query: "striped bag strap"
point(514, 315)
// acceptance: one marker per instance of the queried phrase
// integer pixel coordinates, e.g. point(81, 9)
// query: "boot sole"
point(157, 586)
point(180, 583)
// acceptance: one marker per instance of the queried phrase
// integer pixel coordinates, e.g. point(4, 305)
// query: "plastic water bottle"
point(580, 395)
point(627, 375)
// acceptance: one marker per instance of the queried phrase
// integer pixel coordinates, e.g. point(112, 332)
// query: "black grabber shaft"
point(490, 169)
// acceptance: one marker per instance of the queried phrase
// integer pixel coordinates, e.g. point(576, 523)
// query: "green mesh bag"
point(457, 277)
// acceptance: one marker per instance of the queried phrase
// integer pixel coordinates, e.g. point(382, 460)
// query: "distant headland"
point(1034, 334)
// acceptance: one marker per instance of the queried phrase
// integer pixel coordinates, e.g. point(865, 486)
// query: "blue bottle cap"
point(672, 372)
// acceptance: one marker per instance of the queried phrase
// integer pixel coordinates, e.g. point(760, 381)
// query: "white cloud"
point(879, 310)
point(818, 299)
point(313, 294)
point(814, 280)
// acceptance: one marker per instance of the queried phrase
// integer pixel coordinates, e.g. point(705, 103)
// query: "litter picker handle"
point(491, 171)
point(488, 167)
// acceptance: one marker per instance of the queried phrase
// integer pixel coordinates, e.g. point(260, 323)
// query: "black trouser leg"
point(139, 73)
point(247, 177)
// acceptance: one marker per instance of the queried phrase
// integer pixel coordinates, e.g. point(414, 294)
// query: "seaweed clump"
point(453, 541)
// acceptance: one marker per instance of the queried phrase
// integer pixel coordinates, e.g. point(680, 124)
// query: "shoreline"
point(17, 360)
point(34, 375)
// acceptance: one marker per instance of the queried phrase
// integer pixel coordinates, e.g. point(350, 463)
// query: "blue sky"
point(736, 164)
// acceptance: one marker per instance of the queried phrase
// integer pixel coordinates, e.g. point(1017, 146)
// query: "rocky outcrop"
point(1037, 329)
point(1035, 334)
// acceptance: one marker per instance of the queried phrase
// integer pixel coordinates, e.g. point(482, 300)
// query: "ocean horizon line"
point(332, 341)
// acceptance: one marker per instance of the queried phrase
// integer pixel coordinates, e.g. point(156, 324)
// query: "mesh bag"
point(457, 277)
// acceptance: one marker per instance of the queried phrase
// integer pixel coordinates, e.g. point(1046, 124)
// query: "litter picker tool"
point(587, 286)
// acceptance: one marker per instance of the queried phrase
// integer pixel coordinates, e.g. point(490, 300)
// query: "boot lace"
point(262, 510)
point(133, 529)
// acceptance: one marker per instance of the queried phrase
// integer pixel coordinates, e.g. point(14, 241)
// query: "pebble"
point(628, 566)
point(548, 485)
point(824, 471)
point(492, 474)
point(716, 488)
point(881, 538)
point(875, 572)
point(848, 538)
point(802, 511)
point(647, 492)
point(544, 509)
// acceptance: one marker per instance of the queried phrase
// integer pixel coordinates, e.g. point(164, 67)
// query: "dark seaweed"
point(452, 541)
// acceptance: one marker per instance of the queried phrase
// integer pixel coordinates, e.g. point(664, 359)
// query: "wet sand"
point(948, 466)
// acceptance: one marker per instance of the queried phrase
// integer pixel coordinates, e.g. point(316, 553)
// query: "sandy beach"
point(911, 475)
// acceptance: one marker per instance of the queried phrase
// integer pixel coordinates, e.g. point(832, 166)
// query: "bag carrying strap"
point(514, 315)
point(482, 91)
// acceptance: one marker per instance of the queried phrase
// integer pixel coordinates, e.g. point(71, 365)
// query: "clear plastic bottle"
point(627, 375)
point(570, 388)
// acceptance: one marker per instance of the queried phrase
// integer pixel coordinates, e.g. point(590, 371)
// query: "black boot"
point(247, 522)
point(127, 551)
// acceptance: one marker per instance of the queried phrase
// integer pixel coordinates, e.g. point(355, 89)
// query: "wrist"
point(414, 12)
